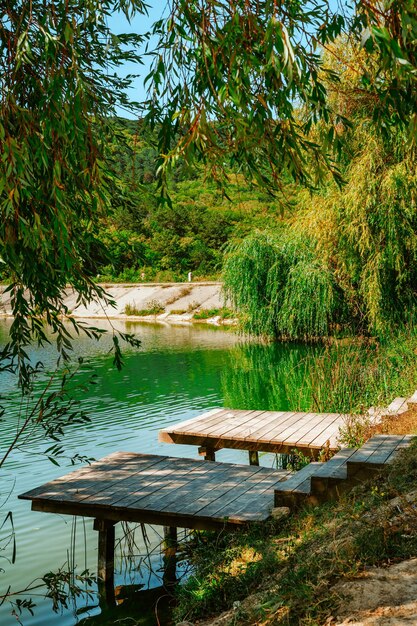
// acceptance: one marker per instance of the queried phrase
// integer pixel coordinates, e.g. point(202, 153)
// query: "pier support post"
point(253, 457)
point(170, 555)
point(208, 453)
point(105, 568)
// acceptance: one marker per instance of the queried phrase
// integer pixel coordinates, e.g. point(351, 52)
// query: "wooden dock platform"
point(258, 431)
point(162, 490)
point(150, 489)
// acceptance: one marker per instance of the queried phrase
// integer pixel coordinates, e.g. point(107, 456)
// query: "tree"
point(343, 258)
point(244, 82)
point(59, 89)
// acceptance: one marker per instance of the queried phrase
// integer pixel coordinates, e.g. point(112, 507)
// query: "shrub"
point(154, 307)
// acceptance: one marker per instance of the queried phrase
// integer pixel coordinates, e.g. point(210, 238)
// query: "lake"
point(179, 372)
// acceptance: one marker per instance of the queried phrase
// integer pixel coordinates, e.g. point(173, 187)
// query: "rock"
point(280, 512)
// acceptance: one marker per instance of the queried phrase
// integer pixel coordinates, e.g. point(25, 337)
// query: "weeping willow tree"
point(345, 255)
point(281, 286)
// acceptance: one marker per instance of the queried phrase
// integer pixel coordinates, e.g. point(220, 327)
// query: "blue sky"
point(139, 24)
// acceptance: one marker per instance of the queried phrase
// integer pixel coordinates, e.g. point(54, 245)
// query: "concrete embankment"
point(146, 301)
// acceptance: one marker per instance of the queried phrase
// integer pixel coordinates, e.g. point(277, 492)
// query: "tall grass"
point(347, 376)
point(351, 378)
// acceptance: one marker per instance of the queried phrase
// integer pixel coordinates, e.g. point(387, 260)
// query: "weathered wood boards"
point(318, 482)
point(266, 431)
point(162, 490)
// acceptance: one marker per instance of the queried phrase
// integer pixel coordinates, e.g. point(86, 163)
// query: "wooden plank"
point(169, 490)
point(243, 433)
point(255, 424)
point(218, 473)
point(321, 429)
point(334, 463)
point(294, 433)
point(274, 426)
point(170, 493)
point(204, 423)
point(207, 493)
point(385, 450)
point(320, 432)
point(190, 422)
point(90, 484)
point(251, 440)
point(133, 515)
point(299, 477)
point(234, 420)
point(215, 507)
point(251, 500)
point(363, 454)
point(261, 430)
point(75, 475)
point(202, 434)
point(413, 398)
point(396, 405)
point(401, 446)
point(149, 482)
point(170, 435)
point(330, 432)
point(179, 497)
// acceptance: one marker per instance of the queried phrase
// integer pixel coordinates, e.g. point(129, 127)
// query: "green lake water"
point(179, 372)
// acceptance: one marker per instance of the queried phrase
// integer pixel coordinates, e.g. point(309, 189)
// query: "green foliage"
point(225, 93)
point(205, 314)
point(153, 307)
point(343, 259)
point(232, 575)
point(377, 222)
point(56, 93)
point(281, 286)
point(139, 236)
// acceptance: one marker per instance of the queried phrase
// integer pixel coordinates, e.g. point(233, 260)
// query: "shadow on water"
point(135, 606)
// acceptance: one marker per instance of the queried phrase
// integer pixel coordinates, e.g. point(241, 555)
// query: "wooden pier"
point(171, 492)
point(258, 431)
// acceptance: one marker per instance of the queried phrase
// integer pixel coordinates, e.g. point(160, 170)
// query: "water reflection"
point(268, 377)
point(150, 607)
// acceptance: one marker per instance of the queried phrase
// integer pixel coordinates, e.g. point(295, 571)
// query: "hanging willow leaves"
point(243, 83)
point(58, 91)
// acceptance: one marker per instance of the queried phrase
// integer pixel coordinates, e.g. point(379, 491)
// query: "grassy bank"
point(284, 573)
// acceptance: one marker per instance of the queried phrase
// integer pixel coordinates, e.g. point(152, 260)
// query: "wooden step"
point(332, 472)
point(294, 490)
point(413, 399)
point(398, 405)
point(318, 482)
point(376, 452)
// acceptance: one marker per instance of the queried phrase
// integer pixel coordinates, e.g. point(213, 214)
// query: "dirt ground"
point(379, 597)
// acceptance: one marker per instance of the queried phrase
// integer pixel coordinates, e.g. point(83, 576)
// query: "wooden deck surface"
point(162, 490)
point(264, 431)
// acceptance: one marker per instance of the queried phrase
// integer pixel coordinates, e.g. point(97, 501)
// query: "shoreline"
point(172, 303)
